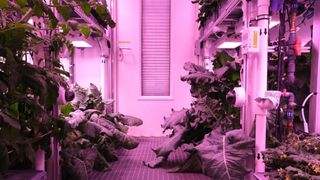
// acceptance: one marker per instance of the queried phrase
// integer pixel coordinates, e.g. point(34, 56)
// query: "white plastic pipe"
point(305, 124)
point(261, 83)
point(103, 76)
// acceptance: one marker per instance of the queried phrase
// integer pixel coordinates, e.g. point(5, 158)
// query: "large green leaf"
point(164, 150)
point(126, 120)
point(77, 117)
point(94, 90)
point(102, 11)
point(130, 120)
point(65, 28)
point(85, 7)
point(85, 30)
point(77, 169)
point(67, 109)
point(104, 16)
point(93, 130)
point(223, 156)
point(21, 26)
point(11, 121)
point(64, 12)
point(37, 9)
point(176, 119)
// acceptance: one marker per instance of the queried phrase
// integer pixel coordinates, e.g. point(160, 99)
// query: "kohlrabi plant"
point(209, 126)
point(93, 135)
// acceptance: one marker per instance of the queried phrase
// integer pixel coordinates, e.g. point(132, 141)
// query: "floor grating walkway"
point(130, 167)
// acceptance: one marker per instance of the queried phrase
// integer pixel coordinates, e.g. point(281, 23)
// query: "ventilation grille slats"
point(155, 48)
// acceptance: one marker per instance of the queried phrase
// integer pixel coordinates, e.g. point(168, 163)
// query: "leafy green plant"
point(203, 125)
point(221, 156)
point(206, 10)
point(297, 158)
point(93, 135)
point(29, 92)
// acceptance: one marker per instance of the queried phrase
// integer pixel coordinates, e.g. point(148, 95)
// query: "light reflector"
point(273, 24)
point(229, 45)
point(81, 44)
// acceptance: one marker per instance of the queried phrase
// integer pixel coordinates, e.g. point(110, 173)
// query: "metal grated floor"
point(25, 175)
point(130, 167)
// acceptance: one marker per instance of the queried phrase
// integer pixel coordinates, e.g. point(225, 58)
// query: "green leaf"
point(64, 12)
point(109, 20)
point(53, 23)
point(22, 26)
point(85, 7)
point(14, 110)
point(85, 30)
point(66, 109)
point(96, 31)
point(65, 28)
point(24, 10)
point(235, 76)
point(93, 129)
point(4, 4)
point(62, 72)
point(21, 3)
point(102, 12)
point(37, 11)
point(70, 48)
point(130, 120)
point(12, 122)
point(75, 118)
point(223, 156)
point(55, 2)
point(77, 168)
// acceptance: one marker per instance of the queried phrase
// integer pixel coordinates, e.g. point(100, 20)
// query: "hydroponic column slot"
point(261, 86)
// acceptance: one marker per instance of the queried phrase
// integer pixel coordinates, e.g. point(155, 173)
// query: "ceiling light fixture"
point(229, 45)
point(273, 24)
point(81, 44)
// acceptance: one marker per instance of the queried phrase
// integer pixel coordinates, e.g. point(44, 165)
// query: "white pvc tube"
point(103, 76)
point(261, 86)
point(305, 124)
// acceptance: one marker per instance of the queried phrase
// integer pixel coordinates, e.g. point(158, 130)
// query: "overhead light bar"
point(274, 21)
point(81, 44)
point(229, 45)
point(273, 24)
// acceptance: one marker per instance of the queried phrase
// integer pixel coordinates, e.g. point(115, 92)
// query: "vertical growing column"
point(314, 113)
point(261, 83)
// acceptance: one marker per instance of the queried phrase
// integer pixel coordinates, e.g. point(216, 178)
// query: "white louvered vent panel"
point(155, 48)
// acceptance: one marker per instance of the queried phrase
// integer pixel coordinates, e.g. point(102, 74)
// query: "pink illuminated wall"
point(183, 36)
point(87, 65)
